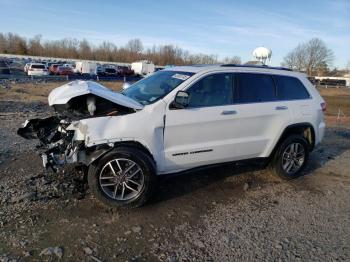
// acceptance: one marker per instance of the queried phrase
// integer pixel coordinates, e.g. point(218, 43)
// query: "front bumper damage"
point(58, 145)
point(62, 139)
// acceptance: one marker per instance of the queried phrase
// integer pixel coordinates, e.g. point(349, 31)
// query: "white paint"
point(61, 95)
point(88, 68)
point(36, 71)
point(174, 137)
point(262, 54)
point(143, 67)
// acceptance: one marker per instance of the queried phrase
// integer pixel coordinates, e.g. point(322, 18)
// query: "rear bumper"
point(39, 73)
point(321, 131)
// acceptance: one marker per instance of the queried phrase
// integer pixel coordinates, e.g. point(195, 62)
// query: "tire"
point(123, 158)
point(289, 164)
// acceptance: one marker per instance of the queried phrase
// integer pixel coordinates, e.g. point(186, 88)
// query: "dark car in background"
point(125, 71)
point(4, 68)
point(53, 69)
point(48, 64)
point(64, 70)
point(110, 72)
point(100, 71)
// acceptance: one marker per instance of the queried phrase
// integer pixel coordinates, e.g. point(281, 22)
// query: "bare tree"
point(134, 46)
point(232, 60)
point(85, 50)
point(34, 46)
point(310, 57)
point(3, 41)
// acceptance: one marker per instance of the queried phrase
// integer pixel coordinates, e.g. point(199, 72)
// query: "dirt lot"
point(231, 213)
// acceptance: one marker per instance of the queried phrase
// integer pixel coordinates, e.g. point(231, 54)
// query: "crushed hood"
point(61, 95)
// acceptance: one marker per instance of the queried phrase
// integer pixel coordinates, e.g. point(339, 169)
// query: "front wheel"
point(124, 177)
point(291, 157)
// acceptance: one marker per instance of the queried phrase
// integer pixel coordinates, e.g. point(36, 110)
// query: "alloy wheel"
point(121, 179)
point(293, 158)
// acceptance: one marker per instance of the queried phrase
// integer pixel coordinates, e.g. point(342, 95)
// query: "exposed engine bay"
point(73, 102)
point(89, 105)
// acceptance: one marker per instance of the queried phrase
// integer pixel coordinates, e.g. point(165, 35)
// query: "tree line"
point(312, 57)
point(134, 50)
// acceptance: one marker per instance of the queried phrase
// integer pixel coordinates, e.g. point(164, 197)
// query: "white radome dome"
point(262, 54)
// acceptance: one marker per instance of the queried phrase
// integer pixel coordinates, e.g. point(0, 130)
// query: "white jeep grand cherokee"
point(178, 119)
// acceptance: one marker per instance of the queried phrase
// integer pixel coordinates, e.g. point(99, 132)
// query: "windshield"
point(156, 86)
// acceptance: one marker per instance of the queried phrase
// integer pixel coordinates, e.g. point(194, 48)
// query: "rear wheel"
point(125, 177)
point(291, 157)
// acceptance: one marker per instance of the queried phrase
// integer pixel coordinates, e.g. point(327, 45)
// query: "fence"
point(8, 79)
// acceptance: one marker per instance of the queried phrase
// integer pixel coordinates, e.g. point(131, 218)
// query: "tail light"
point(324, 106)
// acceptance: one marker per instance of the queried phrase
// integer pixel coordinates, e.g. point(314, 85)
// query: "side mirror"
point(181, 100)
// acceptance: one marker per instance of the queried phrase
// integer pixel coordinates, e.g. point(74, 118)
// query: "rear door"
point(293, 93)
point(262, 117)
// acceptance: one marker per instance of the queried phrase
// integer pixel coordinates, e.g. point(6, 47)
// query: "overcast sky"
point(225, 28)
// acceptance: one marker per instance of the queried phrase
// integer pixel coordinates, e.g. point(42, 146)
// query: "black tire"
point(276, 164)
point(144, 162)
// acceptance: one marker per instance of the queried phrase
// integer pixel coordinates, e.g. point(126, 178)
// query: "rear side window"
point(254, 88)
point(213, 90)
point(290, 88)
point(38, 66)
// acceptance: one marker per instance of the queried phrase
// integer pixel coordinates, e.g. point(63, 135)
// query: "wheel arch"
point(135, 144)
point(131, 144)
point(305, 129)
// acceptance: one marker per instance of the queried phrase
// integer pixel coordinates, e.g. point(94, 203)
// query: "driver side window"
point(213, 90)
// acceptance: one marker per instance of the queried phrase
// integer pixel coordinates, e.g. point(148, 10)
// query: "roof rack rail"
point(257, 66)
point(204, 65)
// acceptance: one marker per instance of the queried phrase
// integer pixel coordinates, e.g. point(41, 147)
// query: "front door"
point(202, 133)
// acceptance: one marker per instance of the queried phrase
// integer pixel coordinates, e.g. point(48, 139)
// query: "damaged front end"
point(59, 144)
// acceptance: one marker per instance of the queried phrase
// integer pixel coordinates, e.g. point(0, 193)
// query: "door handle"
point(229, 112)
point(281, 107)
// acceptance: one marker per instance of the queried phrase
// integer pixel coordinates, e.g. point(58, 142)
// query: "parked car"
point(178, 119)
point(37, 69)
point(25, 69)
point(75, 69)
point(143, 68)
point(111, 72)
point(42, 62)
point(4, 68)
point(68, 65)
point(53, 69)
point(125, 71)
point(100, 71)
point(86, 68)
point(48, 64)
point(64, 70)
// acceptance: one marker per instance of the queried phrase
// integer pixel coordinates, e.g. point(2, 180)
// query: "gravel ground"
point(230, 213)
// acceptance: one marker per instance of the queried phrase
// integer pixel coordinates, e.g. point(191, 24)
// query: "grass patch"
point(336, 99)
